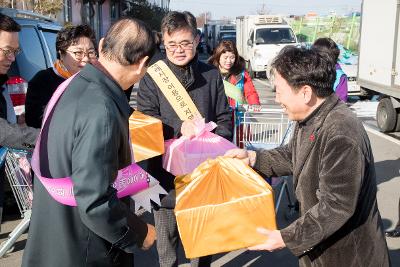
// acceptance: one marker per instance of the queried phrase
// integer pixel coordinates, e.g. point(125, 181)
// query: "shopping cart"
point(263, 128)
point(18, 173)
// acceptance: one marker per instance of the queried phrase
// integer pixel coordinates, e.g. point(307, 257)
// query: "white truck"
point(259, 38)
point(379, 59)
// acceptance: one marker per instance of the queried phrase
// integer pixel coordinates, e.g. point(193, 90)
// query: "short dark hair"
point(128, 41)
point(175, 21)
point(329, 46)
point(157, 37)
point(227, 46)
point(69, 35)
point(8, 24)
point(301, 66)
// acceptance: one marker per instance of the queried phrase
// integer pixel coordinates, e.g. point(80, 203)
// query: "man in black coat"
point(11, 134)
point(204, 85)
point(87, 138)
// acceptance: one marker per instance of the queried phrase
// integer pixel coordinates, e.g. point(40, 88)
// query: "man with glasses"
point(11, 134)
point(204, 85)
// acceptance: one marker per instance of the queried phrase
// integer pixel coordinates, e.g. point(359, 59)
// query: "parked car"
point(37, 41)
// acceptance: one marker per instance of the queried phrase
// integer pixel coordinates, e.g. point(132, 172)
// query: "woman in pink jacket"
point(232, 69)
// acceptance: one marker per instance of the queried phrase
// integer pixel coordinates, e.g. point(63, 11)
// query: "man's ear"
point(142, 65)
point(101, 45)
point(308, 94)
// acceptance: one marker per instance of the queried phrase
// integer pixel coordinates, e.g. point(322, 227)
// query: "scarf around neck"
point(61, 70)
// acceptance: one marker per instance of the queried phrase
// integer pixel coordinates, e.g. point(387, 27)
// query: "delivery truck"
point(259, 38)
point(216, 31)
point(379, 59)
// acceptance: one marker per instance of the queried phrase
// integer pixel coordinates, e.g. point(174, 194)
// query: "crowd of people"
point(82, 110)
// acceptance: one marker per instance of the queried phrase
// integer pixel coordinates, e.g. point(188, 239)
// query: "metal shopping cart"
point(262, 128)
point(18, 172)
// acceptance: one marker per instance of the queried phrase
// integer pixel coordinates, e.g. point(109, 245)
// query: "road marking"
point(378, 133)
point(228, 257)
point(252, 261)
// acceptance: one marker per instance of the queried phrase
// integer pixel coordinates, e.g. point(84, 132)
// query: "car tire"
point(386, 115)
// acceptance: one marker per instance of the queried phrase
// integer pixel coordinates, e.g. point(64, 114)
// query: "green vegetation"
point(343, 30)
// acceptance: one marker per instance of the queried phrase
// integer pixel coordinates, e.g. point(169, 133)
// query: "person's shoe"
point(393, 233)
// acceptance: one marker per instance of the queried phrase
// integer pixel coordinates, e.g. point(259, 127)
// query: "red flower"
point(312, 138)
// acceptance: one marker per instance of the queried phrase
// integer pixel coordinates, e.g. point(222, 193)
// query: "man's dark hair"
point(128, 41)
point(8, 24)
point(329, 46)
point(175, 21)
point(301, 66)
point(69, 35)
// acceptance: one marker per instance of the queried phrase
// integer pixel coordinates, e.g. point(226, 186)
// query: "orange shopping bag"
point(220, 201)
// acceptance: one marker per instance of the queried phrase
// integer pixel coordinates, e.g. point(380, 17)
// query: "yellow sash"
point(173, 90)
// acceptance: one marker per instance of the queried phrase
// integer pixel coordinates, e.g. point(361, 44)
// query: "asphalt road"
point(387, 162)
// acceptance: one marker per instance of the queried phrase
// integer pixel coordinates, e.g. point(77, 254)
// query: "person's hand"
point(274, 240)
point(247, 156)
point(188, 129)
point(150, 238)
point(21, 119)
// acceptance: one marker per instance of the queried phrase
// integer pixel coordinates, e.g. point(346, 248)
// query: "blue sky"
point(234, 8)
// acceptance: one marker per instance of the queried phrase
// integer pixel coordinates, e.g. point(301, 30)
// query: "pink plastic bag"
point(183, 155)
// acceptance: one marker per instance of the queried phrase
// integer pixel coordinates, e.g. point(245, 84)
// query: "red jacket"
point(249, 90)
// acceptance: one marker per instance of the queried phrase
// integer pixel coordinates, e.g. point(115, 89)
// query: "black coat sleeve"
point(34, 106)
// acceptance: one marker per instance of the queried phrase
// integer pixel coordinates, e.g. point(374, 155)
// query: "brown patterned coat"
point(331, 161)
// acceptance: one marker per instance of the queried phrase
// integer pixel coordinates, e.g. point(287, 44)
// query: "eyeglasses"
point(8, 52)
point(81, 54)
point(185, 45)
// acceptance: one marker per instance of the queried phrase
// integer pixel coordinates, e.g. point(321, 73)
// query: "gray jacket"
point(86, 139)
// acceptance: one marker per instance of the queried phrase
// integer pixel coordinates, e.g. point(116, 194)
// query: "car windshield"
point(275, 36)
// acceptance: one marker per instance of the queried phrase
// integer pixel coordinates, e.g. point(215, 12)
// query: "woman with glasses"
point(75, 48)
point(231, 66)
